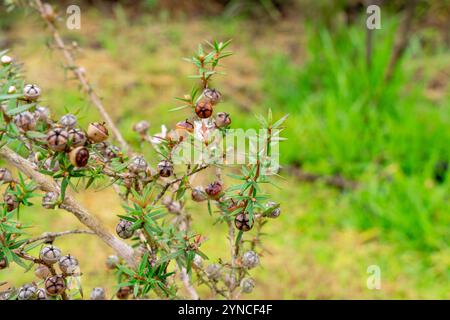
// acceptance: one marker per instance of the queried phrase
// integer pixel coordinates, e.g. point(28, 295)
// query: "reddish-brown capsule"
point(214, 190)
point(55, 285)
point(57, 139)
point(242, 222)
point(79, 156)
point(204, 109)
point(97, 132)
point(123, 293)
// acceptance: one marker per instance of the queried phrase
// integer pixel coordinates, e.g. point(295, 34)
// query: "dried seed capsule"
point(275, 213)
point(198, 194)
point(6, 59)
point(242, 222)
point(183, 126)
point(123, 293)
point(27, 292)
point(112, 152)
point(49, 200)
point(41, 114)
point(48, 13)
point(213, 271)
point(204, 109)
point(42, 272)
point(98, 294)
point(48, 165)
point(197, 262)
point(68, 121)
point(68, 264)
point(97, 132)
point(31, 92)
point(141, 127)
point(41, 294)
point(222, 120)
point(3, 263)
point(171, 205)
point(112, 262)
point(247, 285)
point(11, 202)
point(25, 121)
point(124, 229)
point(57, 139)
point(55, 285)
point(137, 164)
point(212, 95)
point(250, 259)
point(79, 157)
point(165, 168)
point(214, 190)
point(50, 254)
point(5, 176)
point(77, 137)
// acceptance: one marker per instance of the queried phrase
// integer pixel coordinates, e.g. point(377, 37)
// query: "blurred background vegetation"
point(366, 163)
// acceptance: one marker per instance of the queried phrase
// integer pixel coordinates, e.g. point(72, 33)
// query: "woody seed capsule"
point(55, 285)
point(57, 139)
point(68, 121)
point(124, 229)
point(25, 121)
point(165, 168)
point(141, 127)
point(97, 132)
point(77, 137)
point(242, 222)
point(212, 95)
point(68, 264)
point(27, 292)
point(204, 109)
point(42, 272)
point(98, 294)
point(79, 157)
point(50, 254)
point(222, 119)
point(31, 92)
point(5, 175)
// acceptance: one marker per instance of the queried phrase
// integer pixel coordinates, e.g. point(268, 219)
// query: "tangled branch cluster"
point(60, 157)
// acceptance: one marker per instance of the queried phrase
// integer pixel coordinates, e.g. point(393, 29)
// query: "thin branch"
point(50, 236)
point(80, 75)
point(69, 204)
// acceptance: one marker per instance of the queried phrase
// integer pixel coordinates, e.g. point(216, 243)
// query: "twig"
point(46, 184)
point(80, 75)
point(50, 236)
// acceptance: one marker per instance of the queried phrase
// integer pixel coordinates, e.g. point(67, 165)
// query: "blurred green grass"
point(343, 120)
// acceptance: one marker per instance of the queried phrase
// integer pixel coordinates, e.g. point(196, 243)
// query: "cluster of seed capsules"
point(53, 283)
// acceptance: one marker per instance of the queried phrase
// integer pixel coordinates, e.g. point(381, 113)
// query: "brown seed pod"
point(55, 285)
point(68, 264)
point(137, 164)
point(68, 121)
point(123, 293)
point(214, 190)
point(185, 125)
point(222, 120)
point(25, 121)
point(98, 294)
point(204, 109)
point(42, 272)
point(57, 139)
point(41, 114)
point(79, 157)
point(212, 95)
point(3, 263)
point(124, 230)
point(97, 132)
point(242, 222)
point(77, 137)
point(165, 168)
point(141, 127)
point(31, 92)
point(41, 294)
point(198, 194)
point(27, 292)
point(48, 13)
point(5, 176)
point(50, 254)
point(11, 202)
